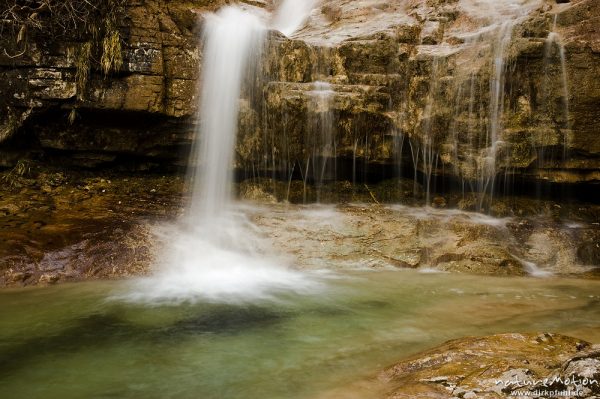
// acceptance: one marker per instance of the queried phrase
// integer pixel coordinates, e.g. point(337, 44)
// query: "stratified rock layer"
point(413, 86)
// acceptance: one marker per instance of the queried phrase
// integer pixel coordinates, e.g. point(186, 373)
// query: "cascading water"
point(216, 253)
point(426, 151)
point(292, 14)
point(484, 60)
point(233, 40)
point(487, 167)
point(553, 41)
point(483, 57)
point(322, 137)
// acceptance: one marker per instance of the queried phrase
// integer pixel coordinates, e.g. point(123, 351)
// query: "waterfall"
point(427, 152)
point(554, 40)
point(322, 134)
point(291, 15)
point(477, 104)
point(217, 253)
point(488, 167)
point(232, 40)
point(555, 106)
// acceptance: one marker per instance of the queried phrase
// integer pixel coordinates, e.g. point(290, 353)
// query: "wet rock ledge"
point(495, 366)
point(59, 225)
point(534, 365)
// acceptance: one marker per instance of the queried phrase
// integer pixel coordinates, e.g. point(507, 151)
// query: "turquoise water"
point(75, 341)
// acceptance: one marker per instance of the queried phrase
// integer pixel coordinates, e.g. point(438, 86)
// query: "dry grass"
point(112, 57)
point(58, 17)
point(87, 21)
point(93, 24)
point(83, 65)
point(14, 120)
point(21, 169)
point(8, 128)
point(72, 116)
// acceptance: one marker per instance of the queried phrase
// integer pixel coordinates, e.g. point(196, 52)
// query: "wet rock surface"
point(408, 78)
point(495, 366)
point(432, 64)
point(365, 91)
point(59, 225)
point(397, 236)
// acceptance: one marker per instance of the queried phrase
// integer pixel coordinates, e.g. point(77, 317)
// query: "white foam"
point(497, 11)
point(429, 213)
point(532, 269)
point(291, 15)
point(431, 270)
point(226, 263)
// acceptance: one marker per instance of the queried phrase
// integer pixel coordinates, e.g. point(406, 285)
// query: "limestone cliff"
point(438, 87)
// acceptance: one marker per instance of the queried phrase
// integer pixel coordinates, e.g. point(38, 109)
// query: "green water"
point(71, 341)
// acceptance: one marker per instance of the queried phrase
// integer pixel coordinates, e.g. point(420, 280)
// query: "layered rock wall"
point(413, 86)
point(138, 110)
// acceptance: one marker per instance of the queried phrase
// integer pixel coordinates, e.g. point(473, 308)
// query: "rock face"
point(439, 88)
point(136, 110)
point(445, 90)
point(495, 366)
point(378, 236)
point(59, 225)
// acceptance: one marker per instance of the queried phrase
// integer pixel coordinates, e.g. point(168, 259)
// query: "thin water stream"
point(79, 340)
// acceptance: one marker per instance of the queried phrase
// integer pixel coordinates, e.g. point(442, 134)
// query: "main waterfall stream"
point(215, 253)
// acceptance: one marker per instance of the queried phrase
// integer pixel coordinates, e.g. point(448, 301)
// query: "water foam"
point(230, 263)
point(292, 14)
point(216, 254)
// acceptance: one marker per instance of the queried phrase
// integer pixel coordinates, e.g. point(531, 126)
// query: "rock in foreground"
point(496, 366)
